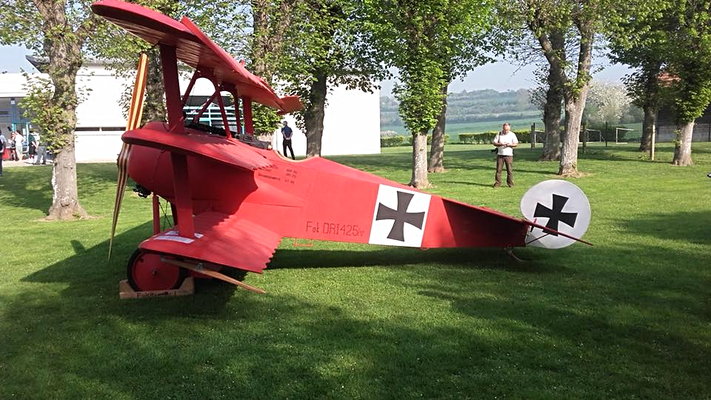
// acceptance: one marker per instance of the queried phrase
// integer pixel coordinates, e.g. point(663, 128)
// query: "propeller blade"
point(135, 113)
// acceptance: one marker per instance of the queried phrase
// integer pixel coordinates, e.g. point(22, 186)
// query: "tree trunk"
point(314, 113)
point(419, 161)
point(554, 101)
point(65, 201)
point(682, 150)
point(574, 107)
point(575, 97)
point(551, 120)
point(436, 163)
point(154, 105)
point(650, 119)
point(64, 51)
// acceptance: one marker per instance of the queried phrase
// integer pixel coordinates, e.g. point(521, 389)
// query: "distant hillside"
point(474, 106)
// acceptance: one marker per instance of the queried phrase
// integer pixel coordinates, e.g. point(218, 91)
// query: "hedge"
point(464, 138)
point(488, 137)
point(392, 141)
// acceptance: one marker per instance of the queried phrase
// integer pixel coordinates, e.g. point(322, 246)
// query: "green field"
point(626, 318)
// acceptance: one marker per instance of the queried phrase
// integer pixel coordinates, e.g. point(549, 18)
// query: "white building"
point(351, 124)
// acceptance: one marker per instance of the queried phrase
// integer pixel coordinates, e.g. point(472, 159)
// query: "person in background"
point(41, 150)
point(13, 153)
point(287, 134)
point(19, 142)
point(3, 145)
point(32, 147)
point(505, 141)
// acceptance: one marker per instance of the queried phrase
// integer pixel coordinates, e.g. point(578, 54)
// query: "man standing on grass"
point(287, 134)
point(505, 141)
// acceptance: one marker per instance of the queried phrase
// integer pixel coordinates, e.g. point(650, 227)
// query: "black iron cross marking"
point(556, 214)
point(400, 216)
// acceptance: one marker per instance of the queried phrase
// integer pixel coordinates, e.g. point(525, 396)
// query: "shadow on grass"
point(30, 187)
point(481, 258)
point(513, 335)
point(27, 187)
point(89, 271)
point(692, 227)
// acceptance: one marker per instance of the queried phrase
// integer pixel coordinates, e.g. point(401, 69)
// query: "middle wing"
point(220, 239)
point(213, 147)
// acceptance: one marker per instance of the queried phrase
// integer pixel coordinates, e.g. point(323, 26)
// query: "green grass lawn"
point(629, 317)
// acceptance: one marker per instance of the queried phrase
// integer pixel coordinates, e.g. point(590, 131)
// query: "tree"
point(554, 100)
point(606, 103)
point(525, 49)
point(690, 56)
point(271, 20)
point(57, 30)
point(325, 48)
point(430, 43)
point(546, 20)
point(463, 43)
point(641, 42)
point(646, 91)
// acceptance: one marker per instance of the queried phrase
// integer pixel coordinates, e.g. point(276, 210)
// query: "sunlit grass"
point(628, 317)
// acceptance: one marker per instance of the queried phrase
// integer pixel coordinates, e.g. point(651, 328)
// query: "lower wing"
point(220, 239)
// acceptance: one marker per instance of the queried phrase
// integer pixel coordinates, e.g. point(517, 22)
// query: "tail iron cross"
point(556, 214)
point(561, 207)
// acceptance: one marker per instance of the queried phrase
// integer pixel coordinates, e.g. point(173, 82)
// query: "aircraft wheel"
point(147, 272)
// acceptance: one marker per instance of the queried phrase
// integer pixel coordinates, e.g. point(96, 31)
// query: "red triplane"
point(233, 200)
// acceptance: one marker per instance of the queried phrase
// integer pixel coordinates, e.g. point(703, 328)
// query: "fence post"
point(533, 135)
point(654, 140)
point(585, 136)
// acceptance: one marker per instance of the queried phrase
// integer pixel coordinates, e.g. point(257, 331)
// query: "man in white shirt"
point(505, 141)
point(19, 144)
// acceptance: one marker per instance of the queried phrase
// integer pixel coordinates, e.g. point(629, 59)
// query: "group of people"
point(36, 149)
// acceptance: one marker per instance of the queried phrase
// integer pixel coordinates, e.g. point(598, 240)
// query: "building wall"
point(667, 133)
point(666, 126)
point(351, 126)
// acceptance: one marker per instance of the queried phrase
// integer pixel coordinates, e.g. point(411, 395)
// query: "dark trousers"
point(1, 154)
point(500, 161)
point(287, 145)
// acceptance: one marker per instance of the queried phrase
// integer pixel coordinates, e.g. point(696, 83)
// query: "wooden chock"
point(127, 292)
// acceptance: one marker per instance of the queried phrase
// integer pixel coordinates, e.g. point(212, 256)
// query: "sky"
point(500, 76)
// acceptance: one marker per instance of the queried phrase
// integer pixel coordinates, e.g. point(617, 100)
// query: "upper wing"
point(193, 47)
point(220, 239)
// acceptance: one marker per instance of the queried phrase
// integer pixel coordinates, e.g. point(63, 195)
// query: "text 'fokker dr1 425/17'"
point(233, 198)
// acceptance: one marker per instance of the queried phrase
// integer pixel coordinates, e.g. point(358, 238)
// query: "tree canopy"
point(430, 43)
